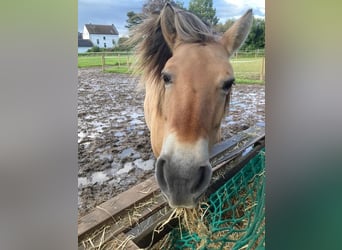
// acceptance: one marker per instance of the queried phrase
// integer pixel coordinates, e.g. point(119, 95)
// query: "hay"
point(105, 236)
point(191, 220)
point(232, 219)
point(194, 222)
point(117, 243)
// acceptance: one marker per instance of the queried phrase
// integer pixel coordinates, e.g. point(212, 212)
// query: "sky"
point(115, 11)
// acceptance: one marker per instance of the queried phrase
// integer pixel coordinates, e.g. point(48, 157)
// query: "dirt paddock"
point(114, 151)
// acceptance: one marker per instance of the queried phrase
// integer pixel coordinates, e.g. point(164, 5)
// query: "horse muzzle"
point(182, 184)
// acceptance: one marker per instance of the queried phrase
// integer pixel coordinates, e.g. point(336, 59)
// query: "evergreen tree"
point(204, 9)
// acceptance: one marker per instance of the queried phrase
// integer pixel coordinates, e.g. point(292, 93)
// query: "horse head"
point(188, 80)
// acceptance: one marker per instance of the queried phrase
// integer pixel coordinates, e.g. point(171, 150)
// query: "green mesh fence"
point(236, 214)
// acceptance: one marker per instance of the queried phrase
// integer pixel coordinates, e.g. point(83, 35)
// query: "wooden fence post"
point(262, 70)
point(103, 62)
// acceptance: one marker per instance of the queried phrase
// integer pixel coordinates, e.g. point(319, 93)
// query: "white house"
point(83, 44)
point(103, 36)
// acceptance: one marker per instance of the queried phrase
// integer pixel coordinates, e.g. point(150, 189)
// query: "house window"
point(104, 38)
point(113, 41)
point(97, 41)
point(105, 45)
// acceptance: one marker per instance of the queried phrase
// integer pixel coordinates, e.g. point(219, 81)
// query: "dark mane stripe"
point(151, 48)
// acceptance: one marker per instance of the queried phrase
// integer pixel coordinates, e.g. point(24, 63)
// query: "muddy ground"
point(114, 151)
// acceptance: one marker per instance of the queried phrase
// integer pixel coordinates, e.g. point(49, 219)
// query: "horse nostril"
point(160, 175)
point(201, 180)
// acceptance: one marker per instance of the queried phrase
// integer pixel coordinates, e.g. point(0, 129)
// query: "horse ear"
point(234, 37)
point(167, 24)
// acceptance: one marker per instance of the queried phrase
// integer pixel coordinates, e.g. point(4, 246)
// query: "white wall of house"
point(83, 49)
point(85, 33)
point(103, 41)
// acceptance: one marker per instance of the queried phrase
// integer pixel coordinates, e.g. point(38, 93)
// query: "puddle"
point(98, 126)
point(129, 152)
point(144, 165)
point(82, 181)
point(128, 167)
point(98, 177)
point(136, 122)
point(119, 134)
point(107, 156)
point(260, 124)
point(81, 136)
point(90, 117)
point(135, 115)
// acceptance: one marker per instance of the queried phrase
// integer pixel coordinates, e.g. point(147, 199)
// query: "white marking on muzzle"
point(185, 154)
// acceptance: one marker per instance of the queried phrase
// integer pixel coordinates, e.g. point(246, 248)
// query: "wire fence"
point(248, 65)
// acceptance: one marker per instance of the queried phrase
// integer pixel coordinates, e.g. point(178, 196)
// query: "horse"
point(187, 77)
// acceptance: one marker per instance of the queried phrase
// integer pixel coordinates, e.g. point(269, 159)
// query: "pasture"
point(249, 67)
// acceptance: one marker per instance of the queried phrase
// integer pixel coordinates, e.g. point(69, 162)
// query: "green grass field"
point(96, 61)
point(247, 70)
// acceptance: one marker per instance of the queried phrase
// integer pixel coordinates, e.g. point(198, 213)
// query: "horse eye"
point(166, 78)
point(228, 84)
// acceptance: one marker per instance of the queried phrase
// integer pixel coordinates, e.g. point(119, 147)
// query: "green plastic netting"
point(236, 214)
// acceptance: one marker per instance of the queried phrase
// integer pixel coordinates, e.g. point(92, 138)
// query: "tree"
point(204, 9)
point(123, 45)
point(133, 19)
point(152, 6)
point(149, 7)
point(256, 37)
point(222, 27)
point(94, 49)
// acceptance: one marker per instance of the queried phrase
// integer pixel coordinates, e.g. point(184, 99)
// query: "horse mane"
point(151, 48)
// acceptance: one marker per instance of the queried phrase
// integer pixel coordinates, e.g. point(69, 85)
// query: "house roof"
point(102, 29)
point(85, 43)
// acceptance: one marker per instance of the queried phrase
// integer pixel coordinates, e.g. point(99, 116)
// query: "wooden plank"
point(226, 146)
point(220, 147)
point(116, 204)
point(129, 244)
point(237, 166)
point(111, 229)
point(149, 237)
point(236, 151)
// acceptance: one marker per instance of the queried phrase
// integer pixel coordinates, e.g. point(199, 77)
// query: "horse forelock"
point(152, 50)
